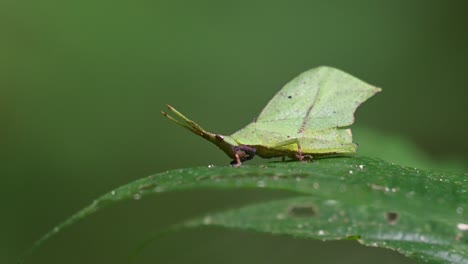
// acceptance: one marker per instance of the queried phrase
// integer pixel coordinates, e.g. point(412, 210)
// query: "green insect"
point(308, 117)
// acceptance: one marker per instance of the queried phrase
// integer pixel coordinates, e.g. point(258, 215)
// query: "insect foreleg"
point(242, 153)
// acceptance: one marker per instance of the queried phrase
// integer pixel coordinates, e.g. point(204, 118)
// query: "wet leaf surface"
point(420, 213)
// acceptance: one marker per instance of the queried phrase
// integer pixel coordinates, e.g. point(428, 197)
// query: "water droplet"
point(377, 187)
point(280, 216)
point(113, 193)
point(158, 189)
point(459, 210)
point(316, 185)
point(56, 229)
point(298, 179)
point(321, 232)
point(361, 167)
point(331, 202)
point(207, 220)
point(462, 227)
point(146, 186)
point(299, 226)
point(350, 172)
point(422, 238)
point(137, 196)
point(261, 184)
point(210, 166)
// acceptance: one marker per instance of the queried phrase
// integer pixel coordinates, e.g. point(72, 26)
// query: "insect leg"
point(236, 162)
point(299, 151)
point(242, 153)
point(299, 155)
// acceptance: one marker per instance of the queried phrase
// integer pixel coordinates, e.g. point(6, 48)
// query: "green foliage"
point(396, 149)
point(420, 213)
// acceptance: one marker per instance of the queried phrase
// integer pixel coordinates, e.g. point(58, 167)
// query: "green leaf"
point(399, 203)
point(404, 229)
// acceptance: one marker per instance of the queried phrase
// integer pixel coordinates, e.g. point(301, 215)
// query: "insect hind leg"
point(299, 155)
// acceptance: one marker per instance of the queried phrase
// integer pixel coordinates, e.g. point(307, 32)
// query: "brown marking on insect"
point(306, 118)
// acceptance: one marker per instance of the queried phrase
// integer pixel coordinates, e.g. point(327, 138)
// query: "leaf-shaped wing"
point(314, 103)
point(317, 99)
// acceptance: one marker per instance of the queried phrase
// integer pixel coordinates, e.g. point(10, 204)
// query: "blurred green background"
point(82, 84)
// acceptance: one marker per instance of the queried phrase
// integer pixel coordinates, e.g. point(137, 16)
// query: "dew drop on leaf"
point(261, 184)
point(207, 220)
point(462, 227)
point(316, 185)
point(280, 216)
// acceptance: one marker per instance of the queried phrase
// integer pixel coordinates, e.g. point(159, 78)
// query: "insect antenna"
point(190, 125)
point(177, 121)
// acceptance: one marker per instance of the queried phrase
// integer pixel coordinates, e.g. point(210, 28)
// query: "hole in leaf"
point(392, 217)
point(302, 211)
point(289, 97)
